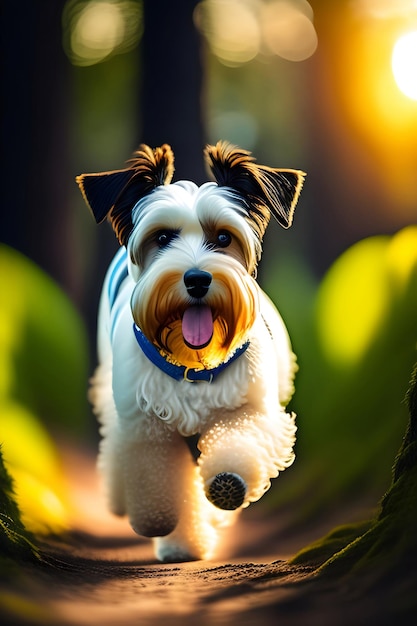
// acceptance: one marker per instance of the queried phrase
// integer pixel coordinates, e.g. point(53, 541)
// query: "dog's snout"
point(197, 282)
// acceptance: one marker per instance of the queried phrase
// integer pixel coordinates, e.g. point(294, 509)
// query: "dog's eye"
point(224, 239)
point(164, 237)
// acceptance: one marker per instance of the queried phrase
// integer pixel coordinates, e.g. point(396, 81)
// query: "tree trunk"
point(172, 85)
point(37, 216)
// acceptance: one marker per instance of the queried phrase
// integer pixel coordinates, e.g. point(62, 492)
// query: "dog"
point(190, 346)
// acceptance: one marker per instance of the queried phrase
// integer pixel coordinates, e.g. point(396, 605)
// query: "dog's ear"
point(266, 190)
point(115, 193)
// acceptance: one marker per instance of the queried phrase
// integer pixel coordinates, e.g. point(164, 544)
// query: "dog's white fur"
point(145, 415)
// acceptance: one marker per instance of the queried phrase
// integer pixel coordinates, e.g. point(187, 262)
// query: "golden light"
point(358, 293)
point(238, 30)
point(94, 30)
point(99, 29)
point(39, 481)
point(375, 107)
point(404, 64)
point(402, 257)
point(230, 28)
point(353, 301)
point(288, 29)
point(385, 9)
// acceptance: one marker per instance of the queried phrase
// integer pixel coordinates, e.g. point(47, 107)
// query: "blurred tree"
point(35, 133)
point(172, 84)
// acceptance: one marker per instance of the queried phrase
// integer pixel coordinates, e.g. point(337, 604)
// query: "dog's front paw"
point(226, 491)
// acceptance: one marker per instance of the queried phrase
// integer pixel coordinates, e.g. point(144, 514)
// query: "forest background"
point(314, 86)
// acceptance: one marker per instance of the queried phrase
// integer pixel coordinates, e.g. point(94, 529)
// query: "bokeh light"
point(288, 29)
point(231, 29)
point(237, 31)
point(352, 301)
point(384, 9)
point(375, 107)
point(404, 64)
point(95, 30)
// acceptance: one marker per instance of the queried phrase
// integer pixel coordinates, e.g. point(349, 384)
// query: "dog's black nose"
point(197, 283)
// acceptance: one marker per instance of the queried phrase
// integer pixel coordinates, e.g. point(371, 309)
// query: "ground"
point(104, 574)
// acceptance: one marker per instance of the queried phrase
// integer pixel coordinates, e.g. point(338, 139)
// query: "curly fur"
point(145, 414)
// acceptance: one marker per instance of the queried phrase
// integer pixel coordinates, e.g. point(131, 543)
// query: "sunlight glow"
point(357, 295)
point(288, 29)
point(353, 300)
point(100, 28)
point(404, 64)
point(384, 9)
point(231, 29)
point(371, 82)
point(31, 458)
point(237, 31)
point(94, 30)
point(402, 258)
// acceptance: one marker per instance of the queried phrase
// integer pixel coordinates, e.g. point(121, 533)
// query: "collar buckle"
point(181, 372)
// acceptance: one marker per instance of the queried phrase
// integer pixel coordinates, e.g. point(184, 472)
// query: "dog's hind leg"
point(199, 530)
point(111, 471)
point(154, 460)
point(108, 463)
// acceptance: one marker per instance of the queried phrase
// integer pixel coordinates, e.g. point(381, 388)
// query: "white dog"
point(190, 345)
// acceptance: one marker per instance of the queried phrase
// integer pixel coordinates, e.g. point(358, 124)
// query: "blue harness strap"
point(118, 273)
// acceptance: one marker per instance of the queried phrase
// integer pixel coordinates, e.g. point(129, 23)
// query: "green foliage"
point(43, 377)
point(374, 566)
point(31, 457)
point(15, 541)
point(43, 348)
point(407, 456)
point(324, 548)
point(356, 346)
point(389, 548)
point(385, 551)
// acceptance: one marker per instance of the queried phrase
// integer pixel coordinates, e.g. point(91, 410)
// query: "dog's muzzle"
point(197, 321)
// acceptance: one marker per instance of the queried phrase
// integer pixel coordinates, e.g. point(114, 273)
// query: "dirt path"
point(103, 574)
point(135, 590)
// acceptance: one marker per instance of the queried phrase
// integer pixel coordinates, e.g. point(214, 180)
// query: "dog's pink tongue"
point(197, 326)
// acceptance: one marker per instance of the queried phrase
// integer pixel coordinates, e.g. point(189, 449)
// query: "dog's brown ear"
point(266, 190)
point(115, 193)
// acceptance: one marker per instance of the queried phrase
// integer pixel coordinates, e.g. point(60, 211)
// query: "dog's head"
point(193, 251)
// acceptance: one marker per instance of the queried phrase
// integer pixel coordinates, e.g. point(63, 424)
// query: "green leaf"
point(16, 542)
point(43, 346)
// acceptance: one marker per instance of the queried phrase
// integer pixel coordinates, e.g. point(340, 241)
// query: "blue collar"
point(180, 372)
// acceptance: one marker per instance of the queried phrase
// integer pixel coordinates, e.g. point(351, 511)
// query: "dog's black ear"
point(100, 191)
point(266, 190)
point(115, 193)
